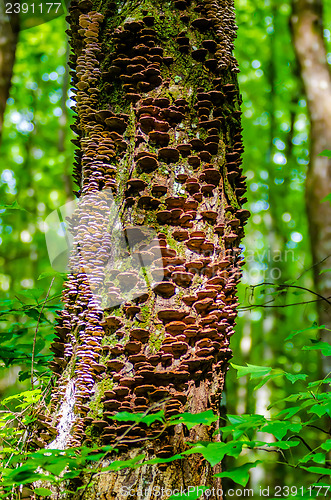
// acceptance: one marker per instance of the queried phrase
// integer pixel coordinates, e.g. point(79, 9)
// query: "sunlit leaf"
point(294, 378)
point(326, 153)
point(314, 326)
point(192, 419)
point(139, 417)
point(254, 371)
point(42, 492)
point(280, 428)
point(215, 452)
point(240, 474)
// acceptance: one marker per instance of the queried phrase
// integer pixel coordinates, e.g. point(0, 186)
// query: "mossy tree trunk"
point(158, 123)
point(307, 30)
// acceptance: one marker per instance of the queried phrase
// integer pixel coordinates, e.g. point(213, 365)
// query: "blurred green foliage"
point(35, 179)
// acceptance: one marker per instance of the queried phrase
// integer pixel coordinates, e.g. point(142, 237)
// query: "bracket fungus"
point(171, 150)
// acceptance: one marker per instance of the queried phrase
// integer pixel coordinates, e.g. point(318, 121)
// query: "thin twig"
point(252, 306)
point(36, 331)
point(312, 267)
point(283, 286)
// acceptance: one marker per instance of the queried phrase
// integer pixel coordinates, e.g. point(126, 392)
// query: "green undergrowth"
point(301, 421)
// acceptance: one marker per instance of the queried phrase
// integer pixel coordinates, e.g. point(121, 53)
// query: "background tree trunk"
point(307, 30)
point(9, 29)
point(158, 123)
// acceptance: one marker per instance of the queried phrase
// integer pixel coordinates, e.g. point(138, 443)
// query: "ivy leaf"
point(327, 445)
point(242, 424)
point(280, 428)
point(123, 464)
point(42, 492)
point(32, 293)
point(327, 198)
point(192, 419)
point(321, 409)
point(294, 378)
point(22, 475)
point(314, 326)
point(318, 458)
point(253, 370)
point(266, 379)
point(125, 416)
point(323, 346)
point(192, 493)
point(284, 445)
point(326, 153)
point(318, 470)
point(163, 460)
point(289, 412)
point(215, 452)
point(326, 270)
point(12, 206)
point(326, 380)
point(52, 274)
point(240, 474)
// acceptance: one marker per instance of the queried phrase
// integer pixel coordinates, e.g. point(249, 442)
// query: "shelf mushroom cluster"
point(161, 147)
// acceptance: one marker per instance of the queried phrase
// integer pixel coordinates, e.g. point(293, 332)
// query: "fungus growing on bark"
point(152, 135)
point(165, 289)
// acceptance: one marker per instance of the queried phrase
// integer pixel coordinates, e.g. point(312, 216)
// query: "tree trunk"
point(9, 29)
point(158, 124)
point(307, 30)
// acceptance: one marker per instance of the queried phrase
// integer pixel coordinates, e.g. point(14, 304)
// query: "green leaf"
point(123, 464)
point(192, 419)
point(215, 452)
point(13, 206)
point(280, 428)
point(326, 153)
point(32, 293)
point(266, 379)
point(326, 380)
point(289, 412)
point(327, 445)
point(163, 460)
point(321, 409)
point(323, 346)
point(191, 493)
point(318, 470)
point(42, 492)
point(325, 270)
point(52, 274)
point(327, 198)
point(24, 474)
point(314, 326)
point(253, 370)
point(284, 445)
point(125, 416)
point(240, 474)
point(242, 424)
point(318, 458)
point(294, 378)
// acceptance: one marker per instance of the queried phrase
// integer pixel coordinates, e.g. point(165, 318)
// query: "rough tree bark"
point(9, 29)
point(307, 30)
point(158, 123)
